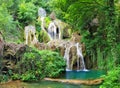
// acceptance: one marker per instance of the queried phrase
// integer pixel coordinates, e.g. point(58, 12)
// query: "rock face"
point(30, 37)
point(64, 29)
point(12, 54)
point(70, 81)
point(71, 51)
point(56, 29)
point(1, 45)
point(1, 50)
point(52, 16)
point(55, 36)
point(41, 12)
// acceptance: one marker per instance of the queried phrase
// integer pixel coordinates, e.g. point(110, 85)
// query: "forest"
point(96, 22)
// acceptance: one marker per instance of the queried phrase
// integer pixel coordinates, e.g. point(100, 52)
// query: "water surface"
point(91, 74)
point(48, 84)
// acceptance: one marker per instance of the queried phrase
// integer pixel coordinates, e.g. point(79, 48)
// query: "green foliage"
point(16, 76)
point(7, 24)
point(36, 65)
point(43, 36)
point(6, 20)
point(112, 79)
point(53, 63)
point(47, 21)
point(27, 12)
point(100, 40)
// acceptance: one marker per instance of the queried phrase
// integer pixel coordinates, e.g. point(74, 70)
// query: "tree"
point(81, 13)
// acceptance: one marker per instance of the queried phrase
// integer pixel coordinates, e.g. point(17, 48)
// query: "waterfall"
point(80, 59)
point(66, 56)
point(73, 57)
point(52, 31)
point(80, 56)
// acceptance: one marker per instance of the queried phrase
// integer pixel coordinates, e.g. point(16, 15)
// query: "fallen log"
point(73, 81)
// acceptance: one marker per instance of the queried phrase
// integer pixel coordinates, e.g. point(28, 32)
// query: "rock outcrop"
point(1, 50)
point(71, 81)
point(12, 54)
point(30, 35)
point(1, 45)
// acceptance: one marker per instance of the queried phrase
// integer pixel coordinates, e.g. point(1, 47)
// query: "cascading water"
point(52, 31)
point(66, 56)
point(79, 59)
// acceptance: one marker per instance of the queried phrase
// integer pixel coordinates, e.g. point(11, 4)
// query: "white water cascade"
point(52, 31)
point(72, 53)
point(66, 56)
point(79, 59)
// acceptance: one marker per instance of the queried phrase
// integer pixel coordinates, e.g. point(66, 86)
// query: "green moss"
point(47, 21)
point(43, 36)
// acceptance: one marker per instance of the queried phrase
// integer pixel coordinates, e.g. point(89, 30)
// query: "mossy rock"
point(43, 36)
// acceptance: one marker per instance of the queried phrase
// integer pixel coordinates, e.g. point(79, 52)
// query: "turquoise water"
point(93, 74)
point(48, 84)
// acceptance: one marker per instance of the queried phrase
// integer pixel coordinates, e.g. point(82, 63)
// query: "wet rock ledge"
point(72, 81)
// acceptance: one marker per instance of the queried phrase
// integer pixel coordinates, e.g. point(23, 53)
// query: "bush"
point(6, 20)
point(54, 64)
point(27, 12)
point(112, 79)
point(36, 65)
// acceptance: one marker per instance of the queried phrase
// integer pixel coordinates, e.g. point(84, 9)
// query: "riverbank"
point(72, 81)
point(20, 84)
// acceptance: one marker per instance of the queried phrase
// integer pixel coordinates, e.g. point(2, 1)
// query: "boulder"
point(52, 16)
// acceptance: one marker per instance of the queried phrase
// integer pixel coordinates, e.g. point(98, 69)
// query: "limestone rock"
point(1, 45)
point(41, 12)
point(53, 16)
point(43, 36)
point(12, 54)
point(30, 35)
point(73, 57)
point(76, 37)
point(71, 81)
point(64, 28)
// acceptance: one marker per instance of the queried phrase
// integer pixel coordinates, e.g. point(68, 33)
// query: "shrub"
point(36, 65)
point(112, 79)
point(27, 12)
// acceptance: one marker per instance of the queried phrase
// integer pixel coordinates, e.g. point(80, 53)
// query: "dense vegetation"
point(36, 65)
point(100, 38)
